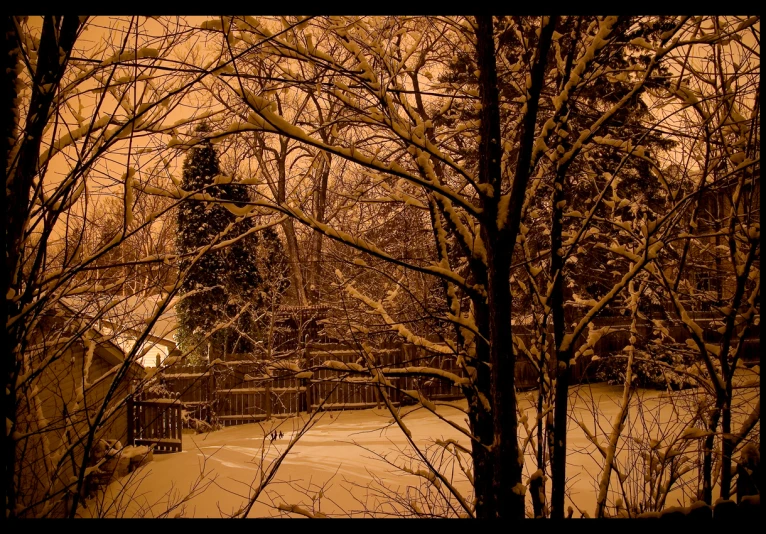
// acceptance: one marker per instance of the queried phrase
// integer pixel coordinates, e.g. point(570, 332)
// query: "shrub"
point(668, 366)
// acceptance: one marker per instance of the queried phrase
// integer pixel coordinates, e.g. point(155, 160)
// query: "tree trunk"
point(481, 419)
point(727, 448)
point(707, 458)
point(10, 131)
point(507, 499)
point(320, 203)
point(727, 369)
point(509, 460)
point(562, 367)
point(296, 273)
point(56, 41)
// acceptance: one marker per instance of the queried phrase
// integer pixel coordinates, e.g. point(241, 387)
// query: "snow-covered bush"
point(656, 367)
point(156, 389)
point(198, 425)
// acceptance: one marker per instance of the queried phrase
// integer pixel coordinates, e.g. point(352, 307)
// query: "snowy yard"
point(339, 456)
point(265, 207)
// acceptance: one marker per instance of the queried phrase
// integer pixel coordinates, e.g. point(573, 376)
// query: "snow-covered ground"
point(339, 456)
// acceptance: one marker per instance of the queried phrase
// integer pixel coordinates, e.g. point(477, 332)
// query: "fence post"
point(131, 422)
point(409, 353)
point(212, 396)
point(177, 421)
point(268, 400)
point(179, 424)
point(393, 361)
point(307, 363)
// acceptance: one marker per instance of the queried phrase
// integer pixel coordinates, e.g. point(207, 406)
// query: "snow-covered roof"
point(106, 348)
point(129, 313)
point(166, 323)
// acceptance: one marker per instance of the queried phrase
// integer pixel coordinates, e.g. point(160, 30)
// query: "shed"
point(73, 390)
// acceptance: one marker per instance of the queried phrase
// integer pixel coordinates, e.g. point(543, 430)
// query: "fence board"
point(155, 423)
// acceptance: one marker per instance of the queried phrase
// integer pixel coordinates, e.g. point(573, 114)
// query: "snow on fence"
point(242, 390)
point(233, 392)
point(339, 390)
point(245, 391)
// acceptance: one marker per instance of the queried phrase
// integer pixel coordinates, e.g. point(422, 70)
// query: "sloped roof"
point(129, 314)
point(145, 308)
point(105, 348)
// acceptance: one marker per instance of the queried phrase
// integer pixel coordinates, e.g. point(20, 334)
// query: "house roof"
point(105, 349)
point(131, 314)
point(166, 323)
point(113, 355)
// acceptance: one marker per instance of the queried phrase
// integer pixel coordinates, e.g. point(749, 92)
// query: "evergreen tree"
point(591, 277)
point(222, 282)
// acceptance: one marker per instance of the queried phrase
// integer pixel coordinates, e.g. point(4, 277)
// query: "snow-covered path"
point(339, 453)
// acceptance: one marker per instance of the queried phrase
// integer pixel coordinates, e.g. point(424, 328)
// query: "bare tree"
point(462, 177)
point(476, 179)
point(87, 119)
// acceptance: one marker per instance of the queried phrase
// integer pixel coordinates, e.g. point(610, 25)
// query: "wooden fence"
point(156, 423)
point(242, 390)
point(234, 392)
point(339, 390)
point(243, 393)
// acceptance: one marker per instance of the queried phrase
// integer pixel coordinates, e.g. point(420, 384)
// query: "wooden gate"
point(155, 423)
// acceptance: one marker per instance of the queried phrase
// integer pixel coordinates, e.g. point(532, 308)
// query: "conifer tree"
point(219, 285)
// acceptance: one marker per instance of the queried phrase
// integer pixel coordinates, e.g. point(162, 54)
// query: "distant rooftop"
point(132, 312)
